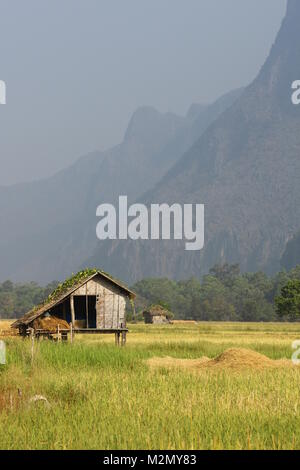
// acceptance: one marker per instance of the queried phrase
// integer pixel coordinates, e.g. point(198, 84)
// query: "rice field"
point(103, 397)
point(5, 328)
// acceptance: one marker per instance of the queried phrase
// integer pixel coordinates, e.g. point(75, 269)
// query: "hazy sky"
point(76, 70)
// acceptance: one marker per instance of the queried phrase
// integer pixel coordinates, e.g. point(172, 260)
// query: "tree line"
point(18, 299)
point(225, 294)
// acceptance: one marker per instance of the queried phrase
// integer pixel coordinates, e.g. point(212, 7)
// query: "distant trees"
point(288, 303)
point(226, 273)
point(17, 299)
point(223, 295)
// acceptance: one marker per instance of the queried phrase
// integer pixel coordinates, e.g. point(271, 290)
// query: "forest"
point(225, 294)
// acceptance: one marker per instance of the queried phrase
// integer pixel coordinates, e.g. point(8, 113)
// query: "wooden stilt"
point(72, 310)
point(32, 343)
point(123, 338)
point(87, 306)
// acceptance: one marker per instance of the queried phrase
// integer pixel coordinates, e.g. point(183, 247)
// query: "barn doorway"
point(85, 311)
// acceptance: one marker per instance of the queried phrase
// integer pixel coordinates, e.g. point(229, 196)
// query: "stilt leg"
point(117, 339)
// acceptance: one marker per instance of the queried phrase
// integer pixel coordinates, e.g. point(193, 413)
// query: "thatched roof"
point(158, 311)
point(66, 289)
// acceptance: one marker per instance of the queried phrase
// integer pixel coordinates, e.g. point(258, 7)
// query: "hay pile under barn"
point(50, 324)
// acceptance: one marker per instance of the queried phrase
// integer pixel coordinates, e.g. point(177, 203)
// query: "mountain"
point(43, 224)
point(291, 255)
point(246, 170)
point(48, 227)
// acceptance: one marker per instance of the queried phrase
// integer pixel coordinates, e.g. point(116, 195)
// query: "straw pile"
point(50, 324)
point(231, 359)
point(242, 358)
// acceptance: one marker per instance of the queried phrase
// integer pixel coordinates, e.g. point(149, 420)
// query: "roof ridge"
point(61, 292)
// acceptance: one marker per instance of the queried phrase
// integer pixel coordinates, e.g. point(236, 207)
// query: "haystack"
point(235, 359)
point(241, 358)
point(50, 324)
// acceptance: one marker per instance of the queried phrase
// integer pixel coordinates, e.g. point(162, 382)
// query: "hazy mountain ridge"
point(44, 224)
point(245, 169)
point(48, 226)
point(291, 255)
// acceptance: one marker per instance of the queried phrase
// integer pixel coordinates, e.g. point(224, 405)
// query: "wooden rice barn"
point(90, 302)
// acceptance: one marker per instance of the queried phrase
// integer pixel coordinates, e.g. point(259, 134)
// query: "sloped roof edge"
point(38, 311)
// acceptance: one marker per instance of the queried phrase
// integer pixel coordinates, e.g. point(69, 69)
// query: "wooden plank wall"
point(110, 303)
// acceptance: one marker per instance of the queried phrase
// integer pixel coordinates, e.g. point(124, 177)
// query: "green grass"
point(103, 397)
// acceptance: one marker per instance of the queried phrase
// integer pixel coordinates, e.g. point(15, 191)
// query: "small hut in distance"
point(156, 314)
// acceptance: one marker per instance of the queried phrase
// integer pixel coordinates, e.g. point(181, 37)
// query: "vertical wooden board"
point(109, 310)
point(114, 312)
point(87, 307)
point(122, 320)
point(72, 310)
point(100, 311)
point(118, 312)
point(110, 307)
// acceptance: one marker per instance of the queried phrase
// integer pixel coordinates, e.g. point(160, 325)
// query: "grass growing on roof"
point(73, 281)
point(63, 287)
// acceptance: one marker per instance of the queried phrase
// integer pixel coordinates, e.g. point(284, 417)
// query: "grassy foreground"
point(102, 397)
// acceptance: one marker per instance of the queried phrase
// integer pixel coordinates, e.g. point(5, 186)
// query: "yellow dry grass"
point(184, 322)
point(234, 358)
point(5, 328)
point(208, 401)
point(5, 324)
point(171, 362)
